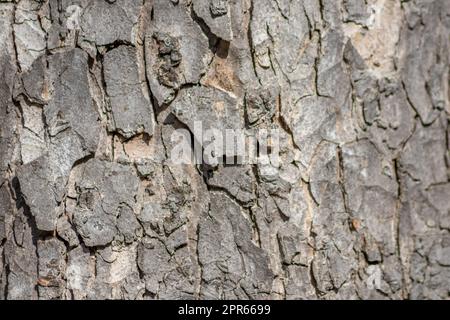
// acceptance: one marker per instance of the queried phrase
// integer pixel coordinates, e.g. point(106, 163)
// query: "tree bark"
point(92, 205)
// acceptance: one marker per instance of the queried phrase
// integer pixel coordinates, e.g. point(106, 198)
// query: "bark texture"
point(91, 91)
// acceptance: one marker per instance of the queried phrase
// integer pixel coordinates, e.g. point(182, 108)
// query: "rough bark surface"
point(91, 91)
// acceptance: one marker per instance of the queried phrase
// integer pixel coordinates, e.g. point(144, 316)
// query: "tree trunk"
point(93, 204)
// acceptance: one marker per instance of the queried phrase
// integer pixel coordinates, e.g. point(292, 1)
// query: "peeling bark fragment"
point(294, 248)
point(39, 193)
point(332, 81)
point(71, 139)
point(216, 15)
point(131, 108)
point(238, 181)
point(106, 22)
point(34, 83)
point(395, 117)
point(175, 22)
point(230, 260)
point(103, 189)
point(67, 232)
point(96, 230)
point(357, 11)
point(424, 154)
point(30, 39)
point(214, 108)
point(128, 225)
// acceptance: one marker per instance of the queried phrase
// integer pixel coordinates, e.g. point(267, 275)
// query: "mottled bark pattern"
point(92, 208)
